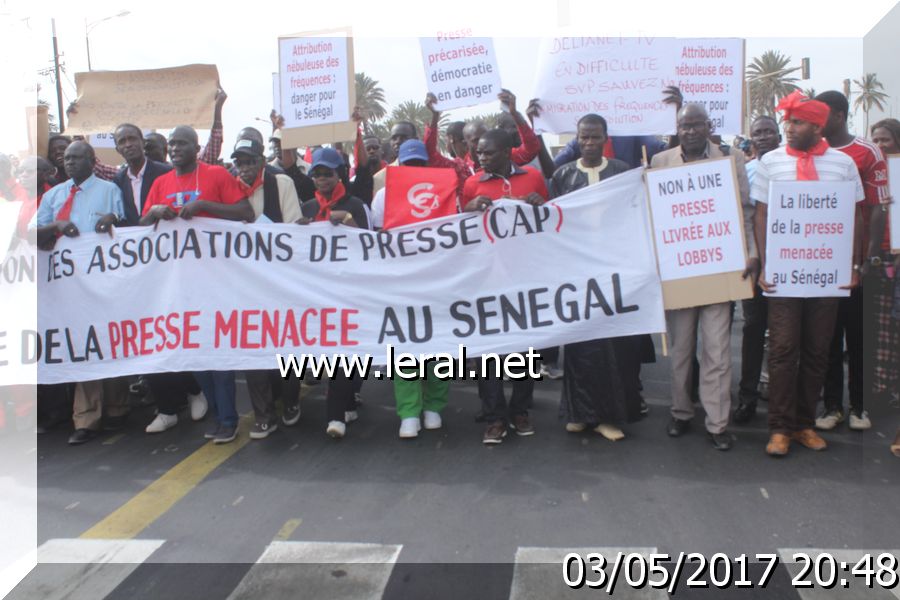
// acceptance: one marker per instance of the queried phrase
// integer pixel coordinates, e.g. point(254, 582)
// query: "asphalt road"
point(442, 516)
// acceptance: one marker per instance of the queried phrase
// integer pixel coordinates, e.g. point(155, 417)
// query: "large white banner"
point(623, 79)
point(460, 71)
point(809, 238)
point(893, 161)
point(210, 294)
point(697, 219)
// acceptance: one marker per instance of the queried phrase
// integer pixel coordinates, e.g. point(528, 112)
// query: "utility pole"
point(59, 100)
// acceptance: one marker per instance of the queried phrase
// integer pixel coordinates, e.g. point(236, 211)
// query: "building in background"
point(881, 47)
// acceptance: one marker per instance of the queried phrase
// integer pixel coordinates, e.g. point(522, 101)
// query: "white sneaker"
point(861, 422)
point(336, 429)
point(575, 427)
point(350, 416)
point(610, 432)
point(199, 405)
point(161, 423)
point(432, 420)
point(409, 428)
point(829, 421)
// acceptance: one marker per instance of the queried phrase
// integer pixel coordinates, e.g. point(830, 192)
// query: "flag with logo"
point(414, 194)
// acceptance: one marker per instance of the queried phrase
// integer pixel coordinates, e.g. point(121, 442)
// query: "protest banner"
point(18, 296)
point(153, 98)
point(276, 93)
point(317, 87)
point(809, 238)
point(893, 161)
point(214, 294)
point(623, 79)
point(104, 145)
point(414, 194)
point(460, 70)
point(699, 233)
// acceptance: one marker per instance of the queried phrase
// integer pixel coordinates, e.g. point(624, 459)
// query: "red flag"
point(414, 194)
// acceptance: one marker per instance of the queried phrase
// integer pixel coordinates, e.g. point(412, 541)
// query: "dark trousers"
point(340, 397)
point(800, 332)
point(849, 326)
point(263, 386)
point(628, 357)
point(752, 345)
point(493, 399)
point(171, 390)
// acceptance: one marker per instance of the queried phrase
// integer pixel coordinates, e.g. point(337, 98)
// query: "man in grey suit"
point(714, 320)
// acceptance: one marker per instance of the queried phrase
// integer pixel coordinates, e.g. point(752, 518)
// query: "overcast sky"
point(243, 41)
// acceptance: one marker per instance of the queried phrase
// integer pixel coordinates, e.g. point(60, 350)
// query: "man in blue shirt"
point(81, 203)
point(84, 203)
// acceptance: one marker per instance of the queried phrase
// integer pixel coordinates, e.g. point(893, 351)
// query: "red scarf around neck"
point(326, 205)
point(806, 166)
point(249, 189)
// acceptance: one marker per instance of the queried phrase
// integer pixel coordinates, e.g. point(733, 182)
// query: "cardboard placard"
point(317, 87)
point(152, 99)
point(699, 233)
point(460, 71)
point(38, 121)
point(893, 161)
point(809, 238)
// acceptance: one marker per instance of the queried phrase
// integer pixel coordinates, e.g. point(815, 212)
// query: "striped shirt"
point(778, 165)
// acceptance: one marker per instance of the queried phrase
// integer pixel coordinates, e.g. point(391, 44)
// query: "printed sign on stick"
point(809, 238)
point(460, 71)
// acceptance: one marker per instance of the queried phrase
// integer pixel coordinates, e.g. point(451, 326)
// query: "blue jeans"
point(218, 387)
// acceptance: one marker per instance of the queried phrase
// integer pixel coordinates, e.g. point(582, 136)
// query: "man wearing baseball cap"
point(335, 204)
point(273, 198)
point(412, 153)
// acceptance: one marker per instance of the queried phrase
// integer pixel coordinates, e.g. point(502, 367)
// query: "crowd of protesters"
point(69, 191)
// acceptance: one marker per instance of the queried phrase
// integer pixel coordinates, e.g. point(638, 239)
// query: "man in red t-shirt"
point(500, 178)
point(194, 189)
point(873, 173)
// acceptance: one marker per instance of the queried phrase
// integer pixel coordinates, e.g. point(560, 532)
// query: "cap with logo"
point(247, 148)
point(412, 150)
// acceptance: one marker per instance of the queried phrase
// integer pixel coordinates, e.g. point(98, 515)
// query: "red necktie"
point(65, 213)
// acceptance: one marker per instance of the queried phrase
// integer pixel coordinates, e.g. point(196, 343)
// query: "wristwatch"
point(875, 261)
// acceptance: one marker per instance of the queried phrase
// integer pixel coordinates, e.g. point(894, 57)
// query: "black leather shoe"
point(720, 441)
point(677, 427)
point(81, 436)
point(744, 412)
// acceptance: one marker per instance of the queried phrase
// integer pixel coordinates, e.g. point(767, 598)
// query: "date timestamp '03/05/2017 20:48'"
point(664, 571)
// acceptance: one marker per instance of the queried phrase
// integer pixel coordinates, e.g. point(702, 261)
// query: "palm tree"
point(490, 120)
point(370, 99)
point(869, 95)
point(417, 114)
point(809, 92)
point(768, 77)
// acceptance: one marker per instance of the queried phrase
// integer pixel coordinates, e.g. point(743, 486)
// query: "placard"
point(152, 99)
point(697, 219)
point(809, 238)
point(317, 87)
point(623, 80)
point(460, 71)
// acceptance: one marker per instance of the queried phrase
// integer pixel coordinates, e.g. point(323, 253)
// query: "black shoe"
point(81, 436)
point(744, 412)
point(114, 423)
point(720, 441)
point(677, 427)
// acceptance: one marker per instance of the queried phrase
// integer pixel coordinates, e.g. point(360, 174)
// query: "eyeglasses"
point(323, 173)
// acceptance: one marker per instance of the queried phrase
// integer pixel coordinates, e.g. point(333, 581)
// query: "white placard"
point(697, 219)
point(893, 161)
point(276, 93)
point(623, 79)
point(809, 238)
point(460, 71)
point(102, 140)
point(709, 72)
point(214, 294)
point(314, 80)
